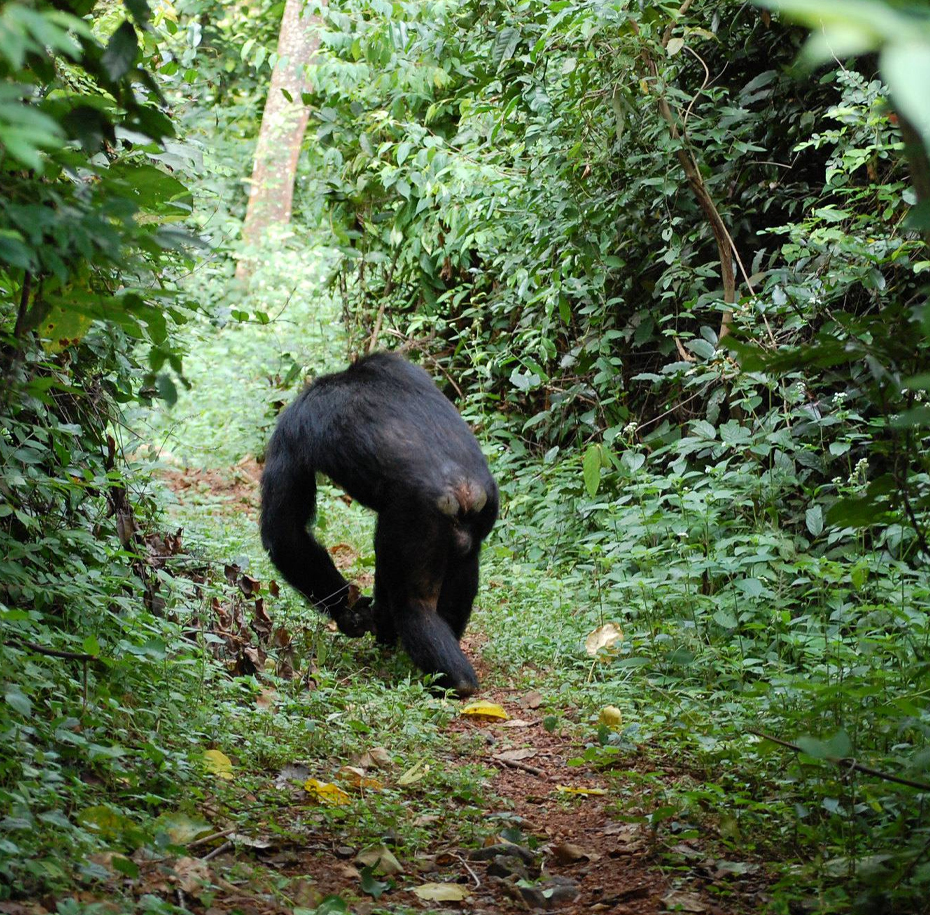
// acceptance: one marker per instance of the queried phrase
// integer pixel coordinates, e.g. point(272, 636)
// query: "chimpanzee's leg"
point(459, 588)
point(385, 628)
point(412, 551)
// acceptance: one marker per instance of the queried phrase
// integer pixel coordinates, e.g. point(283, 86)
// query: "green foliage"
point(740, 476)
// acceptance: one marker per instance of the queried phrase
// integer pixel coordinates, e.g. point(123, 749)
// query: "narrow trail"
point(554, 840)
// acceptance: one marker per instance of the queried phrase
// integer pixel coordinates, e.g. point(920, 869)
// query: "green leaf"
point(505, 44)
point(91, 646)
point(813, 518)
point(121, 52)
point(837, 747)
point(906, 68)
point(17, 700)
point(371, 885)
point(591, 469)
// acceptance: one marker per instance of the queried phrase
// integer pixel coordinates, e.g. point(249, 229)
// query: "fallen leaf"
point(610, 716)
point(519, 723)
point(605, 636)
point(414, 773)
point(104, 820)
point(182, 828)
point(266, 699)
point(219, 764)
point(568, 853)
point(356, 778)
point(442, 892)
point(259, 842)
point(483, 709)
point(375, 758)
point(683, 902)
point(380, 859)
point(291, 774)
point(516, 755)
point(326, 793)
point(192, 874)
point(566, 789)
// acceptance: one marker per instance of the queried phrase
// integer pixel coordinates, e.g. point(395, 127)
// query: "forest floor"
point(408, 804)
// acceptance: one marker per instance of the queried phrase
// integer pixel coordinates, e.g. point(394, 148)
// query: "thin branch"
point(52, 652)
point(846, 762)
point(516, 764)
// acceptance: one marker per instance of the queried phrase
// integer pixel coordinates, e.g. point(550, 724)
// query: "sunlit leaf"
point(442, 892)
point(327, 793)
point(219, 764)
point(484, 709)
point(604, 637)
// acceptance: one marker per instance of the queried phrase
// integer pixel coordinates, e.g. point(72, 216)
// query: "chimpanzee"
point(385, 433)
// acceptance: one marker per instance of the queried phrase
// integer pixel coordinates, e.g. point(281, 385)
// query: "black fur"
point(383, 432)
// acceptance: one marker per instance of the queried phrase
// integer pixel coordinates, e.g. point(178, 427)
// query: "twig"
point(848, 763)
point(216, 835)
point(516, 764)
point(467, 867)
point(217, 851)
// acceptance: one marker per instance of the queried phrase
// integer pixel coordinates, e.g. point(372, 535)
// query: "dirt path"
point(554, 840)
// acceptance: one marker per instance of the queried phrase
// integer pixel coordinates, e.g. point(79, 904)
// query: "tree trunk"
point(284, 123)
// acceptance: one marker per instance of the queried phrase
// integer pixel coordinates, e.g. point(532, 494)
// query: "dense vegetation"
point(676, 279)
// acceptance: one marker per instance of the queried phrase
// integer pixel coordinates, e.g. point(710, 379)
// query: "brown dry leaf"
point(483, 709)
point(516, 755)
point(683, 902)
point(519, 723)
point(356, 778)
point(605, 636)
point(375, 758)
point(532, 700)
point(442, 892)
point(568, 853)
point(192, 874)
point(266, 699)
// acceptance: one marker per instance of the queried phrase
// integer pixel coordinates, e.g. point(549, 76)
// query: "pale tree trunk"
point(283, 126)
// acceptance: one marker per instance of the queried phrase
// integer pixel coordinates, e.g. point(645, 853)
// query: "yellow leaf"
point(610, 716)
point(219, 764)
point(357, 778)
point(326, 793)
point(482, 709)
point(605, 636)
point(584, 792)
point(413, 774)
point(442, 892)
